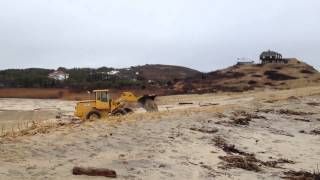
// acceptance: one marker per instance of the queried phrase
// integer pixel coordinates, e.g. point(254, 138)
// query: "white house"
point(113, 72)
point(59, 75)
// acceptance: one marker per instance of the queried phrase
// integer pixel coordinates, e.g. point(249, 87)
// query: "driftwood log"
point(208, 104)
point(185, 103)
point(94, 172)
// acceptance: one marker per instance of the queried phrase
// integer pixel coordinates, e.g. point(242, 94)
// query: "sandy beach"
point(273, 131)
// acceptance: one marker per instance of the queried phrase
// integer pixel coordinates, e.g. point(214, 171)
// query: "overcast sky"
point(201, 34)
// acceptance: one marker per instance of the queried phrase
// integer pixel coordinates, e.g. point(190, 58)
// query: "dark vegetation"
point(305, 71)
point(256, 75)
point(269, 84)
point(227, 75)
point(276, 76)
point(252, 82)
point(81, 79)
point(27, 78)
point(138, 77)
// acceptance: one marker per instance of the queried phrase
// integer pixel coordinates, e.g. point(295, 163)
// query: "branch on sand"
point(94, 172)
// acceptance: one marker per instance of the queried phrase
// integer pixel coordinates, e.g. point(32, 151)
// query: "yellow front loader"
point(103, 105)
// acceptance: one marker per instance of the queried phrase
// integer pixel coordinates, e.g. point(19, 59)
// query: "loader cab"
point(102, 95)
point(103, 99)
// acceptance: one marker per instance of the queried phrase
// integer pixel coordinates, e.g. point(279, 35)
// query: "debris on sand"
point(248, 115)
point(291, 112)
point(206, 167)
point(208, 104)
point(241, 121)
point(280, 132)
point(220, 115)
point(240, 113)
point(264, 110)
point(302, 131)
point(313, 104)
point(301, 175)
point(94, 172)
point(287, 161)
point(271, 101)
point(274, 164)
point(249, 163)
point(244, 160)
point(240, 118)
point(302, 119)
point(223, 122)
point(315, 131)
point(292, 98)
point(205, 129)
point(254, 116)
point(228, 148)
point(285, 111)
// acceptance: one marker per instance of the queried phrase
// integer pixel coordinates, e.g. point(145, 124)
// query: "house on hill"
point(59, 75)
point(272, 57)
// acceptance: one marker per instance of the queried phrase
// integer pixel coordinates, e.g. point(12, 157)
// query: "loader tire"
point(150, 105)
point(119, 112)
point(128, 110)
point(93, 115)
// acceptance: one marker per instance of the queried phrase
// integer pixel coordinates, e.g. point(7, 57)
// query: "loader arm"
point(127, 97)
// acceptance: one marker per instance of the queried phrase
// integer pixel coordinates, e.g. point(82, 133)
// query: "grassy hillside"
point(248, 77)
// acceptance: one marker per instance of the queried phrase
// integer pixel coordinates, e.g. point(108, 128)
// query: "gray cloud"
point(204, 34)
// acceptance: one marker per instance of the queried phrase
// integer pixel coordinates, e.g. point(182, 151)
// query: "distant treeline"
point(79, 79)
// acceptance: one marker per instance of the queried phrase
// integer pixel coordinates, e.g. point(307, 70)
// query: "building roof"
point(269, 53)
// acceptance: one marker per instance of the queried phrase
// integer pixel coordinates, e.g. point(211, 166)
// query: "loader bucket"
point(148, 103)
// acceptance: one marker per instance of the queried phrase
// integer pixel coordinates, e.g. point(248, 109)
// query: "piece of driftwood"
point(204, 129)
point(185, 103)
point(94, 172)
point(208, 104)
